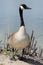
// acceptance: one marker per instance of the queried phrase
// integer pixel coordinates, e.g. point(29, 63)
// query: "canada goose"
point(20, 39)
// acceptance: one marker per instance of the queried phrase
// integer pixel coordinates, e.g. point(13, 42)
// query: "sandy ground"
point(4, 60)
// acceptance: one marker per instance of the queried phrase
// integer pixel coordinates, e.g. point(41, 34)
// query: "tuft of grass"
point(9, 53)
point(6, 52)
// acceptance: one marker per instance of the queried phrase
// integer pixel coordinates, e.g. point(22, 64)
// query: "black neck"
point(21, 17)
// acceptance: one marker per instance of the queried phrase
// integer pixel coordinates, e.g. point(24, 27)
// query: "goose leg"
point(13, 58)
point(22, 52)
point(21, 57)
point(13, 52)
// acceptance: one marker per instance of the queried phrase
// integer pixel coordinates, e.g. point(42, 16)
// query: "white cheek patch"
point(22, 7)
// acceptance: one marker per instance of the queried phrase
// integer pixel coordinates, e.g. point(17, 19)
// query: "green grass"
point(10, 53)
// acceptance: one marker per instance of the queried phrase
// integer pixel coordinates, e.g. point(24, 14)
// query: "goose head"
point(24, 7)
